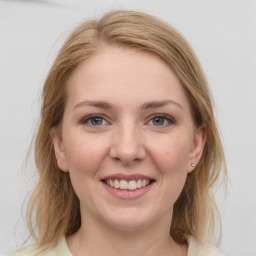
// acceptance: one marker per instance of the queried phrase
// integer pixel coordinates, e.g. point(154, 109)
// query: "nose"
point(127, 145)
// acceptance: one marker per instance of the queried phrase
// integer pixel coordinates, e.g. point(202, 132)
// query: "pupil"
point(158, 121)
point(96, 121)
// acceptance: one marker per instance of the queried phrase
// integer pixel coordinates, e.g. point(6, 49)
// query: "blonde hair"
point(54, 210)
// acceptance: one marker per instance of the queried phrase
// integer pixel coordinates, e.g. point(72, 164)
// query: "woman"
point(127, 149)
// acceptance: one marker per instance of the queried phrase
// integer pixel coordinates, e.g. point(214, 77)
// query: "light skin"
point(126, 114)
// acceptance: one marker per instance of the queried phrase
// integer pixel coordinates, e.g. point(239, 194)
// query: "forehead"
point(126, 74)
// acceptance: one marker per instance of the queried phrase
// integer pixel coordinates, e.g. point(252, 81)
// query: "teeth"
point(139, 184)
point(123, 184)
point(132, 185)
point(111, 183)
point(127, 185)
point(116, 184)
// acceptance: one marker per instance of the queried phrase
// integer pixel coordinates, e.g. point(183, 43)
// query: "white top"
point(194, 249)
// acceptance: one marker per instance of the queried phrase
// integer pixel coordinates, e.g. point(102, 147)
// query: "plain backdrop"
point(223, 35)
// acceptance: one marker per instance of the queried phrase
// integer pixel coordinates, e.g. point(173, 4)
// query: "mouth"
point(128, 185)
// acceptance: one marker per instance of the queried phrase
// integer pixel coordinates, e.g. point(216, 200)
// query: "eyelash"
point(167, 118)
point(86, 119)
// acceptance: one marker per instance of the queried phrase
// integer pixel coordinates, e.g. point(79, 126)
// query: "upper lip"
point(128, 177)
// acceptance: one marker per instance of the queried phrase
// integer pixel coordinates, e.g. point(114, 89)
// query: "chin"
point(130, 220)
point(129, 225)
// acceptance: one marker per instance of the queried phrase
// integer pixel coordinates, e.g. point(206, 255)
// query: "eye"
point(161, 120)
point(94, 120)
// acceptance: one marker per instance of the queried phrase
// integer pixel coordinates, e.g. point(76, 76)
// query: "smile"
point(127, 185)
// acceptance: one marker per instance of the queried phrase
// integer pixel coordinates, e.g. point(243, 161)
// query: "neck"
point(149, 241)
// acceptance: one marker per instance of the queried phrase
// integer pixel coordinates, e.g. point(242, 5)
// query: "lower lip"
point(128, 194)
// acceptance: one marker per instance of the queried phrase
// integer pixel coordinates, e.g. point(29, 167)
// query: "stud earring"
point(193, 165)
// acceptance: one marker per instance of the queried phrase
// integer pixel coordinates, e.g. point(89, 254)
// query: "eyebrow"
point(106, 105)
point(158, 104)
point(97, 104)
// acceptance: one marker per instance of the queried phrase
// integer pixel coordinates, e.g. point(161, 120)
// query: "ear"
point(198, 147)
point(59, 150)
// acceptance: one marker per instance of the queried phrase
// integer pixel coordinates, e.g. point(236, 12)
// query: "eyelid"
point(85, 119)
point(170, 119)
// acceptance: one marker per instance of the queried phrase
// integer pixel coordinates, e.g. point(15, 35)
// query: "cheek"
point(85, 157)
point(171, 159)
point(172, 155)
point(84, 154)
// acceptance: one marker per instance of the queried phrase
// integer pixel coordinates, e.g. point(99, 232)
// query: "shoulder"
point(197, 249)
point(26, 251)
point(61, 249)
point(32, 251)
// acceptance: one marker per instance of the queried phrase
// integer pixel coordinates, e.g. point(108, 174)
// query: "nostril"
point(127, 147)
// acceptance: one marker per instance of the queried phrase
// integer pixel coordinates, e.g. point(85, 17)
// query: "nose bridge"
point(127, 145)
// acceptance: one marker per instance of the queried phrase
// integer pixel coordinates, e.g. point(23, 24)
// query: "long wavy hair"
point(54, 210)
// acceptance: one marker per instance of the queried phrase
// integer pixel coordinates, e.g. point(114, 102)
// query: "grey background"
point(222, 33)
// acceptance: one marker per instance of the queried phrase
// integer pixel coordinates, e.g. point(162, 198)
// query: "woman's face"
point(127, 138)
